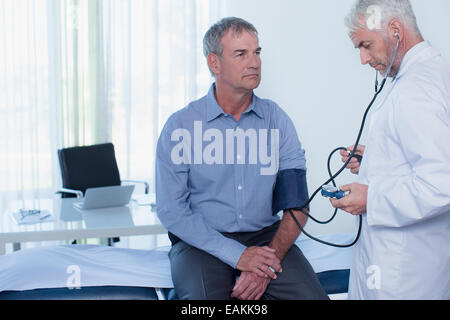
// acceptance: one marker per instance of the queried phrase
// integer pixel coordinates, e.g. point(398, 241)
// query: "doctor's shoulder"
point(434, 74)
point(426, 82)
point(420, 99)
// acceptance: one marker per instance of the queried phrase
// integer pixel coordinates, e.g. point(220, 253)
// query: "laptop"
point(105, 197)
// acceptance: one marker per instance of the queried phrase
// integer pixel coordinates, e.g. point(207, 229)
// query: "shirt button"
point(241, 216)
point(240, 188)
point(238, 157)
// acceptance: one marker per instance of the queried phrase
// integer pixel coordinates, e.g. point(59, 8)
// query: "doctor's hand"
point(356, 202)
point(250, 286)
point(354, 164)
point(260, 260)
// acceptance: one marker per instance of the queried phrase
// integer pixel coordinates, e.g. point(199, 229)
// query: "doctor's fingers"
point(360, 150)
point(337, 204)
point(344, 154)
point(346, 188)
point(352, 164)
point(342, 204)
point(347, 204)
point(354, 167)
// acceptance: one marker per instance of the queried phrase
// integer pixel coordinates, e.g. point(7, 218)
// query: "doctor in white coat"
point(403, 188)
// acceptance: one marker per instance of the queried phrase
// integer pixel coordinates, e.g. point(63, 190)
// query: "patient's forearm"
point(288, 232)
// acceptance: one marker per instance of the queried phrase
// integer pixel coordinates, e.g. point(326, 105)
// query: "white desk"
point(70, 223)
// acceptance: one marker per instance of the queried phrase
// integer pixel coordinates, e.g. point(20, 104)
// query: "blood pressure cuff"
point(291, 191)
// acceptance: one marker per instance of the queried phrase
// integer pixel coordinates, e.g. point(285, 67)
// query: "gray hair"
point(387, 10)
point(213, 37)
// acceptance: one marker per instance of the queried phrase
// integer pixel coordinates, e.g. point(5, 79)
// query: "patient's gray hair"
point(213, 37)
point(386, 11)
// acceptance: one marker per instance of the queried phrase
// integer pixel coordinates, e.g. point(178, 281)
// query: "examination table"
point(69, 272)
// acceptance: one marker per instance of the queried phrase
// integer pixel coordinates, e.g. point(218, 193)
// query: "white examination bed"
point(100, 272)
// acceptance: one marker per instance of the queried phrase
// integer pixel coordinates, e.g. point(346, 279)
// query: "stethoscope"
point(378, 90)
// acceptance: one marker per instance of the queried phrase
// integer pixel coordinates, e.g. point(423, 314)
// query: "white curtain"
point(26, 136)
point(155, 66)
point(80, 72)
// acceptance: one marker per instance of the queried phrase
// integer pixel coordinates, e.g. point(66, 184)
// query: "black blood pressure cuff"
point(291, 191)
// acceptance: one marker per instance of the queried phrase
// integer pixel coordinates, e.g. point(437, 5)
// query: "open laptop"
point(105, 197)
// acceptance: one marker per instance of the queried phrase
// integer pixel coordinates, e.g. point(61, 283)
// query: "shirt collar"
point(214, 110)
point(420, 52)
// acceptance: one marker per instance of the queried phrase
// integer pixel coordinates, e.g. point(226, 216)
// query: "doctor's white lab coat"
point(404, 249)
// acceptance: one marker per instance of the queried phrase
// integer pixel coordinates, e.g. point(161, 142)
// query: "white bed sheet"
point(89, 265)
point(62, 266)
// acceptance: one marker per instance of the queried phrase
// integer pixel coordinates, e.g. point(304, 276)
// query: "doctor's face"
point(240, 64)
point(375, 50)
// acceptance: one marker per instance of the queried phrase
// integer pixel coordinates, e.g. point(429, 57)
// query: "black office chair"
point(90, 167)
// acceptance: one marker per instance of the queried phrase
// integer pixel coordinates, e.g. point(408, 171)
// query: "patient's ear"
point(214, 63)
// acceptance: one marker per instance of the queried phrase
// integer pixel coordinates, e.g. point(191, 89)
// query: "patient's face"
point(240, 64)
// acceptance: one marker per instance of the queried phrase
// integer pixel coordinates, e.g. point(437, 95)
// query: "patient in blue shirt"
point(216, 169)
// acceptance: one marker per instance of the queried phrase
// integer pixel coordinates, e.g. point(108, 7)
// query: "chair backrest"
point(88, 167)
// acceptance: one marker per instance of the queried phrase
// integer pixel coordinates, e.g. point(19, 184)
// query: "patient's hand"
point(250, 286)
point(260, 260)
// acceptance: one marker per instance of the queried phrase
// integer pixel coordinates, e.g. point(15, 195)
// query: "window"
point(78, 72)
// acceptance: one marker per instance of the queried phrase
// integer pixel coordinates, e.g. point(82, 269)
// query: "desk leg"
point(16, 246)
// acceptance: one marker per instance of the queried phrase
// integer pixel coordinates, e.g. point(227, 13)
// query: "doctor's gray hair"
point(388, 10)
point(213, 37)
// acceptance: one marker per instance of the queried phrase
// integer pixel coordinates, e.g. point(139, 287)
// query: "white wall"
point(311, 69)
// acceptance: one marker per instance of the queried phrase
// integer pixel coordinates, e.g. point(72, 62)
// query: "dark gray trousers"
point(198, 275)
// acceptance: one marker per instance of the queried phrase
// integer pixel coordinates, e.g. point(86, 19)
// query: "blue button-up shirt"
point(215, 174)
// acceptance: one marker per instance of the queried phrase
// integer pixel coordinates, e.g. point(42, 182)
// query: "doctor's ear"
point(396, 29)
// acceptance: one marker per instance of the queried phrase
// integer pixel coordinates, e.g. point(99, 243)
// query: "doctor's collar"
point(412, 56)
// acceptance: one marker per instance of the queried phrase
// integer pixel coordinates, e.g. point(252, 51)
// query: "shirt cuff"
point(231, 252)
